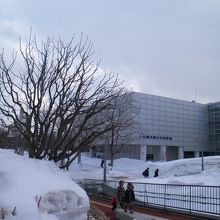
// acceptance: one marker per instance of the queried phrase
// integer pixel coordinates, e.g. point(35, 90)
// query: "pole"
point(105, 161)
point(202, 161)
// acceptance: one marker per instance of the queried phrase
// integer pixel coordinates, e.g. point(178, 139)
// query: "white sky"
point(169, 48)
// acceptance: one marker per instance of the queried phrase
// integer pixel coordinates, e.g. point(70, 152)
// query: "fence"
point(192, 199)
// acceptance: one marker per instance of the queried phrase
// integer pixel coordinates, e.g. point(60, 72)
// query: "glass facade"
point(214, 127)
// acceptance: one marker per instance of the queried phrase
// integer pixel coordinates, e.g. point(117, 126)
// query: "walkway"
point(140, 213)
point(105, 206)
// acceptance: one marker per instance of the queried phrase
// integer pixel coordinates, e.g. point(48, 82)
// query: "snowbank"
point(184, 171)
point(38, 190)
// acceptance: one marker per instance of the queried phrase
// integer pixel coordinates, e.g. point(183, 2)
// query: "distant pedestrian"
point(156, 174)
point(120, 193)
point(146, 173)
point(102, 163)
point(129, 197)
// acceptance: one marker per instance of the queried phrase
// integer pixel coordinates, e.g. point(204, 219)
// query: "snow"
point(24, 182)
point(183, 171)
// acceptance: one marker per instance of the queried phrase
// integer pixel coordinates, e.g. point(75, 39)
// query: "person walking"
point(156, 174)
point(129, 197)
point(102, 163)
point(146, 173)
point(120, 193)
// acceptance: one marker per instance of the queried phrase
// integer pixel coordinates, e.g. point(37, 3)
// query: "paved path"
point(143, 213)
point(105, 206)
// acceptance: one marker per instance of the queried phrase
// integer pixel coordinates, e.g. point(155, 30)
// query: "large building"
point(214, 127)
point(170, 129)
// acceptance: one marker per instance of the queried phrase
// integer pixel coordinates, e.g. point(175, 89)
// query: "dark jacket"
point(156, 173)
point(145, 173)
point(129, 196)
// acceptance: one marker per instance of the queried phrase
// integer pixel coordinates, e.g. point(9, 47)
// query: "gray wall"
point(171, 122)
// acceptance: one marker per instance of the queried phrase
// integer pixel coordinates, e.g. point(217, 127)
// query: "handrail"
point(191, 199)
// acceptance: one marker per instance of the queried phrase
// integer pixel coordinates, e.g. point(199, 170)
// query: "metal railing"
point(191, 199)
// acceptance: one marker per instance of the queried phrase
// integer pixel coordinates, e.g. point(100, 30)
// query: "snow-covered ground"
point(193, 197)
point(39, 190)
point(184, 171)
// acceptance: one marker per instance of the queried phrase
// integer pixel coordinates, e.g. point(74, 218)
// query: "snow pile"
point(184, 171)
point(114, 173)
point(41, 191)
point(38, 190)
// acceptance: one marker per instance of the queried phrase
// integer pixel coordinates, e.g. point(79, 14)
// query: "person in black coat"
point(146, 173)
point(129, 197)
point(156, 174)
point(102, 163)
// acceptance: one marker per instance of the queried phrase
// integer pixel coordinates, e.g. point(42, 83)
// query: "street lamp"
point(202, 161)
point(202, 151)
point(202, 154)
point(105, 159)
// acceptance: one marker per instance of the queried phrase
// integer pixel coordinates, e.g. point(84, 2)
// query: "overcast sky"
point(169, 48)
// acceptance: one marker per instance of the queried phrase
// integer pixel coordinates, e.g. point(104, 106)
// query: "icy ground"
point(184, 171)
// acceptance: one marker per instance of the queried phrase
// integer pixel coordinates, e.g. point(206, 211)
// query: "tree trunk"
point(31, 151)
point(79, 158)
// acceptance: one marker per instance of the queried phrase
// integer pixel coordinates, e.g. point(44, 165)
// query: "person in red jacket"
point(114, 203)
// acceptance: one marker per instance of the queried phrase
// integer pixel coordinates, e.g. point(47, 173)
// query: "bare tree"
point(124, 127)
point(3, 138)
point(58, 99)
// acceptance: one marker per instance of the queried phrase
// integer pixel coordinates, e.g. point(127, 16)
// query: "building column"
point(180, 152)
point(143, 152)
point(163, 153)
point(196, 154)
